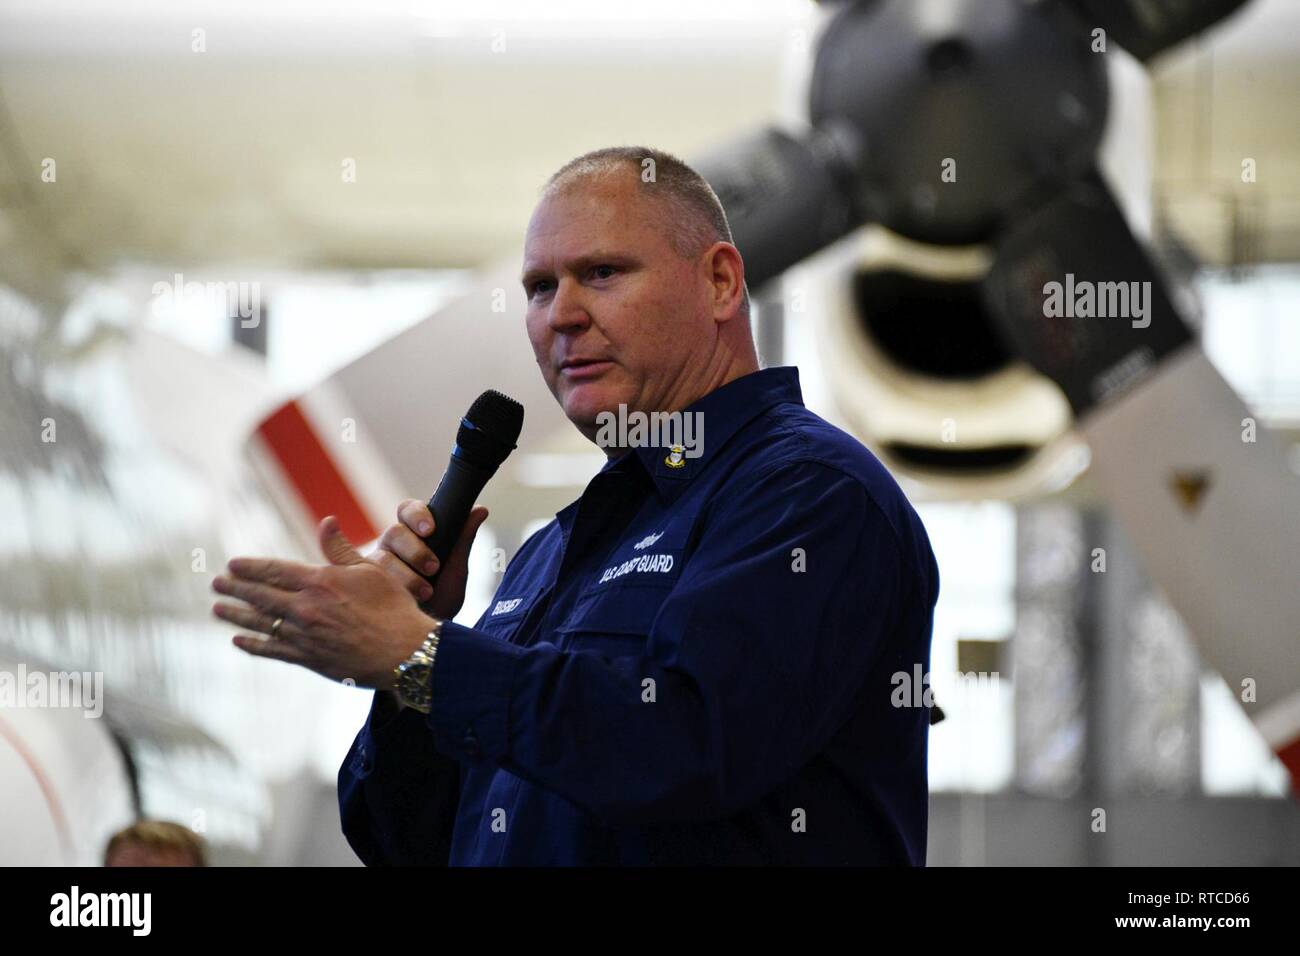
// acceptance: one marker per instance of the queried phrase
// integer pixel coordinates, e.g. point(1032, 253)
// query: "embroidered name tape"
point(646, 564)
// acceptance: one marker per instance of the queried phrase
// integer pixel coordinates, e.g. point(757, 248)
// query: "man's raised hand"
point(404, 556)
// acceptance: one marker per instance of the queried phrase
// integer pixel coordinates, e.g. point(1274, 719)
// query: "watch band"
point(413, 678)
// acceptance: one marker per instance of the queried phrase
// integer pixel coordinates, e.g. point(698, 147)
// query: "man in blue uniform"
point(707, 658)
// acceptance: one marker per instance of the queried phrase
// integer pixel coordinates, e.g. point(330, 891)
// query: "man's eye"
point(533, 289)
point(612, 269)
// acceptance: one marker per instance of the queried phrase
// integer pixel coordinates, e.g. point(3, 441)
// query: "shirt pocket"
point(613, 621)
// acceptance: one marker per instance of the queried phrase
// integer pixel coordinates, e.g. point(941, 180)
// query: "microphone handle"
point(451, 503)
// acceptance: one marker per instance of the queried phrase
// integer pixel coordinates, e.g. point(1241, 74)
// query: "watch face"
point(414, 687)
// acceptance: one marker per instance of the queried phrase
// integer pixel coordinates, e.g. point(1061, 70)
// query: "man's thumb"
point(460, 554)
point(334, 545)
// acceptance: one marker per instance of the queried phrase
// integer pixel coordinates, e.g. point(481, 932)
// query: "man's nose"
point(568, 307)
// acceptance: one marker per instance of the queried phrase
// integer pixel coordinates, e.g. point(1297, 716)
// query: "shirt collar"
point(724, 411)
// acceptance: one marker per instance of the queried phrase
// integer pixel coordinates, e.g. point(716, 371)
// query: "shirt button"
point(470, 742)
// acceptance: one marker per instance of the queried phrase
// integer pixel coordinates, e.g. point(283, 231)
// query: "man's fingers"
point(334, 545)
point(288, 575)
point(269, 599)
point(252, 619)
point(397, 569)
point(416, 516)
point(399, 540)
point(275, 650)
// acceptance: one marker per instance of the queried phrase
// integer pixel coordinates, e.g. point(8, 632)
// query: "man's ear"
point(727, 275)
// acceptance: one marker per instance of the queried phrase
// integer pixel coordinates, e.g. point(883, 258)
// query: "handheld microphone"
point(486, 437)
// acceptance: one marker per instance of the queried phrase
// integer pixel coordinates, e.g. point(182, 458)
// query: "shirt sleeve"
point(753, 662)
point(397, 795)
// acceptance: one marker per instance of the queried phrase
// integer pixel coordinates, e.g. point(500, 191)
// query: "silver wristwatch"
point(413, 678)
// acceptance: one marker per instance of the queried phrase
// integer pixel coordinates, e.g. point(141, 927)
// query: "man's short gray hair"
point(693, 215)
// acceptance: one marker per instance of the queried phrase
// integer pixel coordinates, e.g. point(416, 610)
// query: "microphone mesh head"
point(490, 428)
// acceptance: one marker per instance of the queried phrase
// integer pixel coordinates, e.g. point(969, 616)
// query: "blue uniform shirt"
point(710, 663)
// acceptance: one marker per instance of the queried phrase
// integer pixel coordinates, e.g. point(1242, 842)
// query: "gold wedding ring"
point(275, 628)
